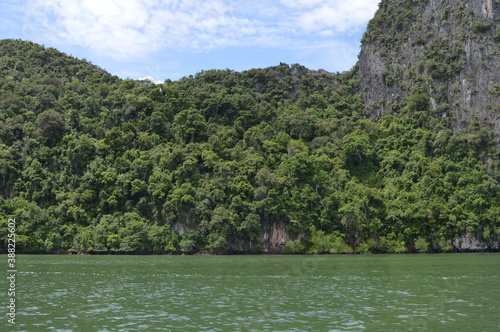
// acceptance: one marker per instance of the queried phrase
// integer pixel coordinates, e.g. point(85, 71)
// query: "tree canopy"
point(91, 162)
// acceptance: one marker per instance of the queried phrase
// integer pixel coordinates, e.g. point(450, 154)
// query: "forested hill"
point(282, 159)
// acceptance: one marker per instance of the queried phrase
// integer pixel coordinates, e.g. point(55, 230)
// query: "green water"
point(445, 292)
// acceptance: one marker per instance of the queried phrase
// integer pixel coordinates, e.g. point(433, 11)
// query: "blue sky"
point(169, 39)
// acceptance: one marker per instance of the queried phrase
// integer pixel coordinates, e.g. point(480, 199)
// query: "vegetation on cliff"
point(211, 162)
point(448, 50)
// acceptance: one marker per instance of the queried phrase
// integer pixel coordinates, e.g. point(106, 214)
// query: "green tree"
point(50, 125)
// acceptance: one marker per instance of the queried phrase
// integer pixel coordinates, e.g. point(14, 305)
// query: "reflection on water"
point(258, 293)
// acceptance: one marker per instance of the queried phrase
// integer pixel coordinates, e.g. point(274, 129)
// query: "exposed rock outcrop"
point(470, 243)
point(274, 236)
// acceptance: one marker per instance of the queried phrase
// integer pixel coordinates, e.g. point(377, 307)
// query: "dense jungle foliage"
point(91, 162)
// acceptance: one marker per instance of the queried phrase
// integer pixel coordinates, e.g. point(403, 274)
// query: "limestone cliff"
point(448, 50)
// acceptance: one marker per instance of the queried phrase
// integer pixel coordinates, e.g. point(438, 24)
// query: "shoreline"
point(206, 253)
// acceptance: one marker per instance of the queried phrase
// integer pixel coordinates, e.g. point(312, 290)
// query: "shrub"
point(393, 243)
point(481, 27)
point(328, 243)
point(257, 249)
point(293, 247)
point(365, 247)
point(421, 245)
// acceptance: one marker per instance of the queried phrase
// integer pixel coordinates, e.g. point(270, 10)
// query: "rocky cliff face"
point(448, 50)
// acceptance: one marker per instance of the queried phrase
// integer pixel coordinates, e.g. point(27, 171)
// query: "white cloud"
point(113, 27)
point(336, 16)
point(332, 54)
point(302, 3)
point(150, 79)
point(132, 28)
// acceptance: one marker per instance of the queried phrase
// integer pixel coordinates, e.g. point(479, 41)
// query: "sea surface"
point(424, 292)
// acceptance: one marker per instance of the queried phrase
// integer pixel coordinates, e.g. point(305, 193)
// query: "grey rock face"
point(447, 49)
point(468, 242)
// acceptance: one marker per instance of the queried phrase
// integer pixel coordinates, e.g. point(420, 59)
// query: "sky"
point(170, 39)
